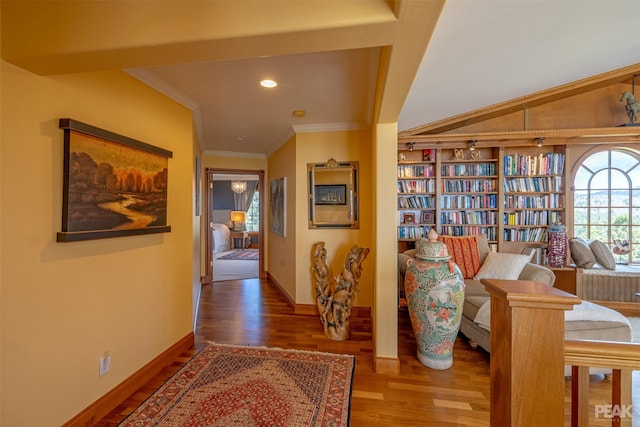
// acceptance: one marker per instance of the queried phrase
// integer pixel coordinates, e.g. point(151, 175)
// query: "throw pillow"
point(502, 266)
point(603, 255)
point(464, 252)
point(582, 256)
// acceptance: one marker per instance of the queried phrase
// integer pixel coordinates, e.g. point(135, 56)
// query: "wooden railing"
point(529, 352)
point(622, 358)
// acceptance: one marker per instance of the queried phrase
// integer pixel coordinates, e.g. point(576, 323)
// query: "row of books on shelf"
point(525, 235)
point(456, 230)
point(469, 185)
point(413, 233)
point(469, 201)
point(416, 186)
point(415, 202)
point(531, 184)
point(531, 218)
point(416, 171)
point(548, 201)
point(536, 164)
point(471, 169)
point(468, 217)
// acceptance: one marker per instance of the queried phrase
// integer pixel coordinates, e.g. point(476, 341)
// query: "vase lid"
point(431, 249)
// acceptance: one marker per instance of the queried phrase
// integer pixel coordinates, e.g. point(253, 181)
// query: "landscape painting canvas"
point(113, 186)
point(277, 205)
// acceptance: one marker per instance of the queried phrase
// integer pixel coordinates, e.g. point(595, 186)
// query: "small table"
point(242, 235)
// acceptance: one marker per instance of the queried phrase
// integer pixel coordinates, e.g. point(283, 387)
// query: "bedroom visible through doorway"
point(235, 218)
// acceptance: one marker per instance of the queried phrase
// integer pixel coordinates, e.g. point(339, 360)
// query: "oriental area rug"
point(244, 254)
point(225, 385)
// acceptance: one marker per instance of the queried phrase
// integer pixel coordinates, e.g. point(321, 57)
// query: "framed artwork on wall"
point(277, 206)
point(331, 194)
point(113, 186)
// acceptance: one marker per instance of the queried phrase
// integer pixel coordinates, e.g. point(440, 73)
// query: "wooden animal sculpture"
point(334, 296)
point(632, 105)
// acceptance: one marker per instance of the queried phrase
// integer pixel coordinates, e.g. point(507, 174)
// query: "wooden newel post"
point(527, 353)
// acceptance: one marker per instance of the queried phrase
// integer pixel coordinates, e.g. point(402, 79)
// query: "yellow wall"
point(319, 147)
point(282, 255)
point(64, 304)
point(214, 160)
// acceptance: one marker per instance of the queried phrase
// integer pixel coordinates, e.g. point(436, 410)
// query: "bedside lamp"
point(237, 217)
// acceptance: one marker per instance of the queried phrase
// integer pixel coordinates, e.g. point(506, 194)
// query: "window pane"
point(599, 216)
point(620, 198)
point(598, 232)
point(582, 178)
point(580, 198)
point(597, 161)
point(622, 160)
point(619, 180)
point(634, 175)
point(580, 231)
point(599, 198)
point(580, 216)
point(620, 232)
point(600, 180)
point(619, 216)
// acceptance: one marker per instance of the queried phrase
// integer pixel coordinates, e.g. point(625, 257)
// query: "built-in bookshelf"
point(416, 193)
point(512, 195)
point(533, 195)
point(468, 197)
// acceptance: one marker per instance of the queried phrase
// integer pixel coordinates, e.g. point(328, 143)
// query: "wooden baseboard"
point(105, 404)
point(278, 286)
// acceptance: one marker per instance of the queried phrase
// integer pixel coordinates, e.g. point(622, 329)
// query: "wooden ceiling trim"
point(620, 75)
point(523, 138)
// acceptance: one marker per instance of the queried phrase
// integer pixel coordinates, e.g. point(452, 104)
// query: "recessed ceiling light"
point(298, 113)
point(268, 83)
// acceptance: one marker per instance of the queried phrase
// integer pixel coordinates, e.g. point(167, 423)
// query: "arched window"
point(606, 200)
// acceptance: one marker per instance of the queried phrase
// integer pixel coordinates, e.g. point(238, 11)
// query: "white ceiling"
point(482, 52)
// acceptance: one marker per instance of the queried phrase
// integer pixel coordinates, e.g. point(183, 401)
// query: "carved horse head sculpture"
point(632, 105)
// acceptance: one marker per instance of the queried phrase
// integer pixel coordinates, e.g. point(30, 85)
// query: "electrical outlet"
point(105, 363)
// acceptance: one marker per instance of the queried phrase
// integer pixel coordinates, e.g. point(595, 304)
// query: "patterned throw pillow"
point(464, 252)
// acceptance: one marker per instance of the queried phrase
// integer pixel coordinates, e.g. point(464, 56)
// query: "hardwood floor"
point(253, 312)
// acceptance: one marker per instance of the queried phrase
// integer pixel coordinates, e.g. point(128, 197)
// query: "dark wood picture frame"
point(409, 218)
point(426, 217)
point(113, 186)
point(335, 194)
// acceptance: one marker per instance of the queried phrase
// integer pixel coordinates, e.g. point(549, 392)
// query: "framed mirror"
point(333, 194)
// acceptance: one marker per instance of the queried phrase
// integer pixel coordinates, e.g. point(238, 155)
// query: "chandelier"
point(238, 186)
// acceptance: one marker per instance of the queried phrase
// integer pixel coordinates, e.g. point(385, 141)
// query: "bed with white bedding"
point(220, 238)
point(221, 219)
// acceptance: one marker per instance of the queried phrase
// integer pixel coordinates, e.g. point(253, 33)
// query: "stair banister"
point(527, 353)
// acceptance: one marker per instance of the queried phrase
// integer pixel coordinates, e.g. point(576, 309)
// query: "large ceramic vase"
point(434, 288)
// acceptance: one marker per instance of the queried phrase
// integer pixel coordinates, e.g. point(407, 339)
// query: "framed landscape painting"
point(113, 185)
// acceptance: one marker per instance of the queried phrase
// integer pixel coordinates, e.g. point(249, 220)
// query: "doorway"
point(234, 211)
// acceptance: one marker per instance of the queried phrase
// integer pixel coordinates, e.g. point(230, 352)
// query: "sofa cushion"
point(603, 254)
point(581, 254)
point(464, 252)
point(504, 266)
